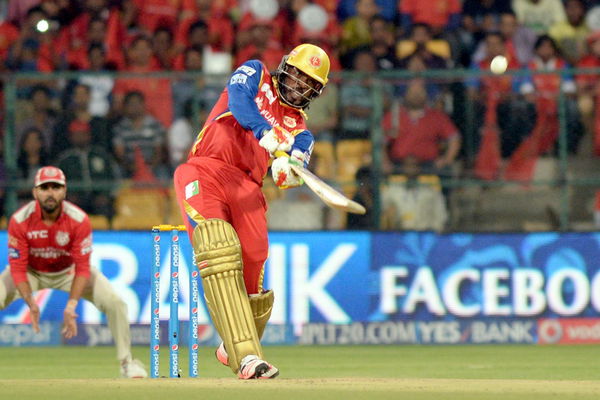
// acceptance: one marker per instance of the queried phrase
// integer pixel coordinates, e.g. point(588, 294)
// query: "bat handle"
point(280, 153)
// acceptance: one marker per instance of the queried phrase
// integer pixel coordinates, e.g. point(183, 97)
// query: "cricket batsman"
point(219, 193)
point(49, 246)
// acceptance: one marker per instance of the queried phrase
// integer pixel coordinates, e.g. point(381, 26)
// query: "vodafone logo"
point(550, 331)
point(315, 61)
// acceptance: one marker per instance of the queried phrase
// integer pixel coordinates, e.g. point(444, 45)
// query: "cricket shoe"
point(133, 368)
point(253, 367)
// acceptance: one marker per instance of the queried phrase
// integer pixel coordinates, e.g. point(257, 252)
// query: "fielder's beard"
point(49, 205)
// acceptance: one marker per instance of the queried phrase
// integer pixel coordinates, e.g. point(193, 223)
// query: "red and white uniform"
point(49, 249)
point(50, 256)
point(223, 175)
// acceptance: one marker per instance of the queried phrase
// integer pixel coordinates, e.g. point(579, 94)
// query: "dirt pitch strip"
point(296, 389)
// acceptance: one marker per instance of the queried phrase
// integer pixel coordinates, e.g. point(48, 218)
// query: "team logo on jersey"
point(62, 238)
point(315, 61)
point(289, 121)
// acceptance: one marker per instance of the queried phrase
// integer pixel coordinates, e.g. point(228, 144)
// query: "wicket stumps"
point(174, 307)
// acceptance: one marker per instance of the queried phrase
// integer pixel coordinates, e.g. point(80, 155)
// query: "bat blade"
point(329, 195)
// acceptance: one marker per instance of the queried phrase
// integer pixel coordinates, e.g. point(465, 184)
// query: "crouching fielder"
point(219, 193)
point(49, 246)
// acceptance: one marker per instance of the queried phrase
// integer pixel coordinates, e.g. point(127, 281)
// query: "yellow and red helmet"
point(302, 75)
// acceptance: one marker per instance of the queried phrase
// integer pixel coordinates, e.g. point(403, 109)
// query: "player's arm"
point(18, 258)
point(243, 87)
point(81, 251)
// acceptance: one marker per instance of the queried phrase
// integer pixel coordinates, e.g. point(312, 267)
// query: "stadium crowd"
point(100, 126)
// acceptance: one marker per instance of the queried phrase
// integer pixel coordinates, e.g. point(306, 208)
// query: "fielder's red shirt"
point(43, 248)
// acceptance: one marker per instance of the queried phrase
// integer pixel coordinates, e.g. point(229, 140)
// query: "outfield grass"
point(361, 372)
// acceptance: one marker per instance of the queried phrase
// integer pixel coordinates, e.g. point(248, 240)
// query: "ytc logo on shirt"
point(37, 234)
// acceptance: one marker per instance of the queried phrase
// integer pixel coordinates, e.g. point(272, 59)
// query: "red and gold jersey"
point(248, 107)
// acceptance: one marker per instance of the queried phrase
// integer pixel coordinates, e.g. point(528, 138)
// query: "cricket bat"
point(329, 195)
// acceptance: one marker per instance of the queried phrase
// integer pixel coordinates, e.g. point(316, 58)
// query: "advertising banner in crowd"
point(376, 288)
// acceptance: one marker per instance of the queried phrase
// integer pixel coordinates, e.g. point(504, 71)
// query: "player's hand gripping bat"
point(329, 195)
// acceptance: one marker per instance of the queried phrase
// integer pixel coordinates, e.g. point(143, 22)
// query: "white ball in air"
point(499, 65)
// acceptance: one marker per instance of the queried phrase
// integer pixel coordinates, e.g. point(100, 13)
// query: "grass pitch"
point(354, 372)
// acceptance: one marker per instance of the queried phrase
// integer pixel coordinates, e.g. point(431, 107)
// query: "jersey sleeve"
point(243, 87)
point(82, 248)
point(18, 252)
point(305, 142)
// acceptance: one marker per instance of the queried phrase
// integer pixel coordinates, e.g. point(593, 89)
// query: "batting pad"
point(261, 305)
point(218, 255)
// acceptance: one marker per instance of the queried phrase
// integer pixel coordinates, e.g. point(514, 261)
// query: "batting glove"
point(282, 172)
point(276, 140)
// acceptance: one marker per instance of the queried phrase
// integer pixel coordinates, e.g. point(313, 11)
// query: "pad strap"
point(262, 306)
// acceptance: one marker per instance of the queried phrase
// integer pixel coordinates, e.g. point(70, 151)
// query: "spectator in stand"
point(364, 195)
point(588, 88)
point(262, 46)
point(356, 103)
point(504, 118)
point(32, 154)
point(78, 110)
point(416, 64)
point(153, 14)
point(570, 35)
point(199, 90)
point(8, 35)
point(97, 35)
point(156, 91)
point(196, 38)
point(543, 90)
point(434, 52)
point(100, 85)
point(440, 15)
point(264, 12)
point(420, 132)
point(539, 15)
point(91, 169)
point(323, 114)
point(214, 15)
point(518, 40)
point(39, 112)
point(313, 24)
point(383, 43)
point(163, 47)
point(139, 133)
point(31, 51)
point(355, 30)
point(478, 18)
point(413, 203)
